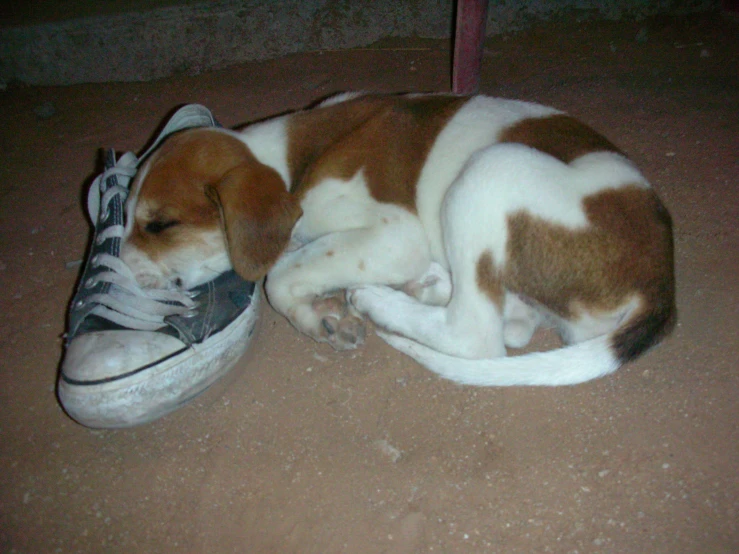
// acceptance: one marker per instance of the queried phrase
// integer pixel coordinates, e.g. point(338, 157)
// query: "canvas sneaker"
point(132, 354)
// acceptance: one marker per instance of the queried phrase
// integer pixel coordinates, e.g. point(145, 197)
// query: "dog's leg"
point(520, 321)
point(392, 252)
point(469, 326)
point(495, 183)
point(434, 287)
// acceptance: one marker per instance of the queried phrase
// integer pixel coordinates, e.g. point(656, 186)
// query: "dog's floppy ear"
point(257, 215)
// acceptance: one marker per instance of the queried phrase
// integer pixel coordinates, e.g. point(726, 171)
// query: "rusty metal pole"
point(469, 37)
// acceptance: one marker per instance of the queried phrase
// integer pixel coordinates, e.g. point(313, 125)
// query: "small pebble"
point(388, 450)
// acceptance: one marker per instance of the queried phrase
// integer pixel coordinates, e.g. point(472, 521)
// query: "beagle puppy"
point(456, 224)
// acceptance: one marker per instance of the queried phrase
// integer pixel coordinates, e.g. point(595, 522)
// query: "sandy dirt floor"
point(305, 450)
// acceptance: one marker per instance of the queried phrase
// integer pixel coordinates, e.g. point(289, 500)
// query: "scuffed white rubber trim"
point(161, 389)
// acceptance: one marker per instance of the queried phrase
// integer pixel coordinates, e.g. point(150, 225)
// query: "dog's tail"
point(570, 365)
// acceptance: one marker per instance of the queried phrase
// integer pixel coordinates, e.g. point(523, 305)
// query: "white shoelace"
point(126, 303)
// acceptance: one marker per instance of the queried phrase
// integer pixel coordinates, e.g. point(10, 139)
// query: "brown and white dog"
point(456, 224)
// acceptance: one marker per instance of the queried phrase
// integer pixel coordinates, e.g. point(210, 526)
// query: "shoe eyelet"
point(90, 282)
point(193, 293)
point(95, 261)
point(189, 314)
point(99, 240)
point(79, 304)
point(105, 216)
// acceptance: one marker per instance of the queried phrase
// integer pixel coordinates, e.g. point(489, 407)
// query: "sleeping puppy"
point(456, 224)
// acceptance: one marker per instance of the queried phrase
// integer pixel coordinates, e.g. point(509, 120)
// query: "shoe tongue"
point(187, 117)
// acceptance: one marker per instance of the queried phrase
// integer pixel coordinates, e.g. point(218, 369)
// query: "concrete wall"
point(191, 38)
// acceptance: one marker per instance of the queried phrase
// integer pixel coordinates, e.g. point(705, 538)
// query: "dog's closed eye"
point(157, 226)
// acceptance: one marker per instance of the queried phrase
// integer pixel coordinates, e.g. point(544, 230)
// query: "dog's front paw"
point(340, 326)
point(345, 333)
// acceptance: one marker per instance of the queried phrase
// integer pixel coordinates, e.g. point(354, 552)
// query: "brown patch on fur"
point(627, 249)
point(330, 253)
point(361, 266)
point(488, 279)
point(560, 136)
point(203, 178)
point(389, 137)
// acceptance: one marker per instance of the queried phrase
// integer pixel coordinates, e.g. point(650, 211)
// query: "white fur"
point(175, 268)
point(268, 142)
point(340, 206)
point(564, 366)
point(339, 98)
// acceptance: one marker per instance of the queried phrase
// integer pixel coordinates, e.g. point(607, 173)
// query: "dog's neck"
point(292, 143)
